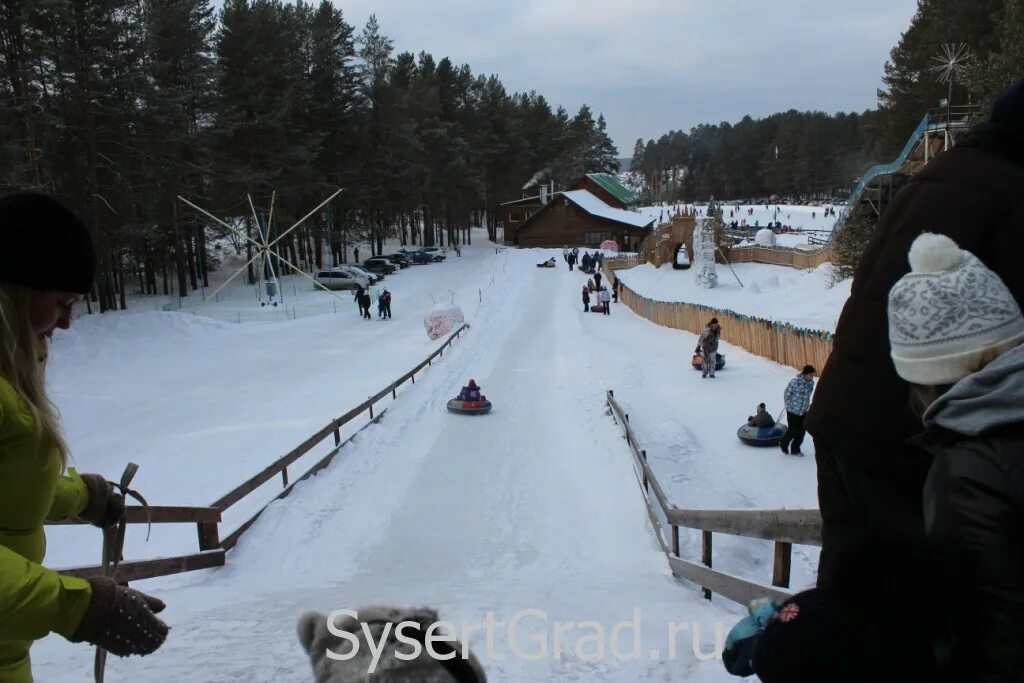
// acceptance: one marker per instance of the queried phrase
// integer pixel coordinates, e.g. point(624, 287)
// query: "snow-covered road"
point(534, 506)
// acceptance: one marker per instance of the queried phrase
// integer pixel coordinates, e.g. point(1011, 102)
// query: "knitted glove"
point(121, 620)
point(105, 506)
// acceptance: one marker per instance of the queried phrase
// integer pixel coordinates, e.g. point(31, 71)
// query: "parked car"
point(379, 264)
point(436, 253)
point(372, 277)
point(421, 258)
point(400, 259)
point(341, 279)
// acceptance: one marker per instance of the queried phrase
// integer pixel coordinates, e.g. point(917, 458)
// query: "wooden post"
point(413, 378)
point(371, 411)
point(675, 540)
point(643, 455)
point(705, 555)
point(783, 562)
point(209, 535)
point(284, 477)
point(394, 393)
point(337, 436)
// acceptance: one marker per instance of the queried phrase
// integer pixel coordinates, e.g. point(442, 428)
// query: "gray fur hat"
point(393, 665)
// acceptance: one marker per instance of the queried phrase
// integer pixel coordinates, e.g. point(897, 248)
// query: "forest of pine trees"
point(813, 154)
point(119, 106)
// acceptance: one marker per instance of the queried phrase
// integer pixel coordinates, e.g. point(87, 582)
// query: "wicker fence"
point(777, 341)
point(781, 256)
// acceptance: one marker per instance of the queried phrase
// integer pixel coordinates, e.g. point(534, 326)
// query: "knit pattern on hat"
point(948, 313)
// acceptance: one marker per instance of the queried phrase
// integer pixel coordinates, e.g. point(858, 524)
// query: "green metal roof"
point(612, 185)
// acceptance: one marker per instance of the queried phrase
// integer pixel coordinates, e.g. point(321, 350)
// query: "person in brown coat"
point(869, 479)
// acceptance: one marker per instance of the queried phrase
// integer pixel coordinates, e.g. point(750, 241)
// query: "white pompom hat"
point(949, 315)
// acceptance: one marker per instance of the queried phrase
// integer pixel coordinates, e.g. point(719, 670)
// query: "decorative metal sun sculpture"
point(951, 62)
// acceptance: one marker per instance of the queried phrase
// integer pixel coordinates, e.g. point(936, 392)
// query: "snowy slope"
point(804, 298)
point(533, 506)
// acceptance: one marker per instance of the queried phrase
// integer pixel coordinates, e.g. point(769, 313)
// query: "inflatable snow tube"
point(597, 308)
point(469, 407)
point(698, 362)
point(761, 436)
point(546, 264)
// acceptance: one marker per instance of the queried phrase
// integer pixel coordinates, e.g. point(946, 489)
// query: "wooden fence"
point(780, 342)
point(782, 526)
point(782, 256)
point(212, 549)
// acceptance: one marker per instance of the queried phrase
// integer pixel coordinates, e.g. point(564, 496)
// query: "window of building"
point(594, 237)
point(513, 217)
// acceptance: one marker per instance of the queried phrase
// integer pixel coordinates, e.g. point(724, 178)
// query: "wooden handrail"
point(279, 465)
point(161, 566)
point(798, 525)
point(161, 514)
point(783, 526)
point(212, 549)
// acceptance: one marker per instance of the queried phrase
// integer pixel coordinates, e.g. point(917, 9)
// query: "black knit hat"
point(808, 370)
point(44, 245)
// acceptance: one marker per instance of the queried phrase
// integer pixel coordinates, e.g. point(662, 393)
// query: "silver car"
point(341, 278)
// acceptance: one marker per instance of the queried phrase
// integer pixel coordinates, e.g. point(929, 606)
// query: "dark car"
point(401, 260)
point(379, 264)
point(420, 258)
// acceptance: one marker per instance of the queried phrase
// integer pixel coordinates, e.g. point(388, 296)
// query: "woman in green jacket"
point(46, 265)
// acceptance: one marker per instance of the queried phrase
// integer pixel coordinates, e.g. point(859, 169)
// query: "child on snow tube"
point(471, 392)
point(761, 418)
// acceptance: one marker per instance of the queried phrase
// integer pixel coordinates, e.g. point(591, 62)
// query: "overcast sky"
point(656, 65)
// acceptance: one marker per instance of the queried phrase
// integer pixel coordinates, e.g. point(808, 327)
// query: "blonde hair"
point(22, 366)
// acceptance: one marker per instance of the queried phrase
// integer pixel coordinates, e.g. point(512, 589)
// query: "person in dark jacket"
point(597, 279)
point(384, 304)
point(798, 399)
point(707, 344)
point(471, 392)
point(869, 478)
point(883, 617)
point(571, 259)
point(761, 418)
point(586, 299)
point(956, 336)
point(364, 303)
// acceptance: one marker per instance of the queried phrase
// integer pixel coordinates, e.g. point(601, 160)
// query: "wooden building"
point(579, 218)
point(515, 212)
point(608, 189)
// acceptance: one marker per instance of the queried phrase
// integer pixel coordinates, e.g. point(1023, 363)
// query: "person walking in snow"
point(565, 253)
point(707, 344)
point(798, 400)
point(586, 299)
point(955, 336)
point(356, 252)
point(605, 298)
point(571, 260)
point(46, 267)
point(597, 279)
point(615, 287)
point(364, 303)
point(384, 305)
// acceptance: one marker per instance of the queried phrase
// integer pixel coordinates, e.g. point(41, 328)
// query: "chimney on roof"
point(543, 194)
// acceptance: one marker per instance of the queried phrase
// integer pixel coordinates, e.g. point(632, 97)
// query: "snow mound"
point(442, 320)
point(764, 238)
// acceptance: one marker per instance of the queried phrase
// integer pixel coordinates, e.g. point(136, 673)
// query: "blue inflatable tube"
point(761, 436)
